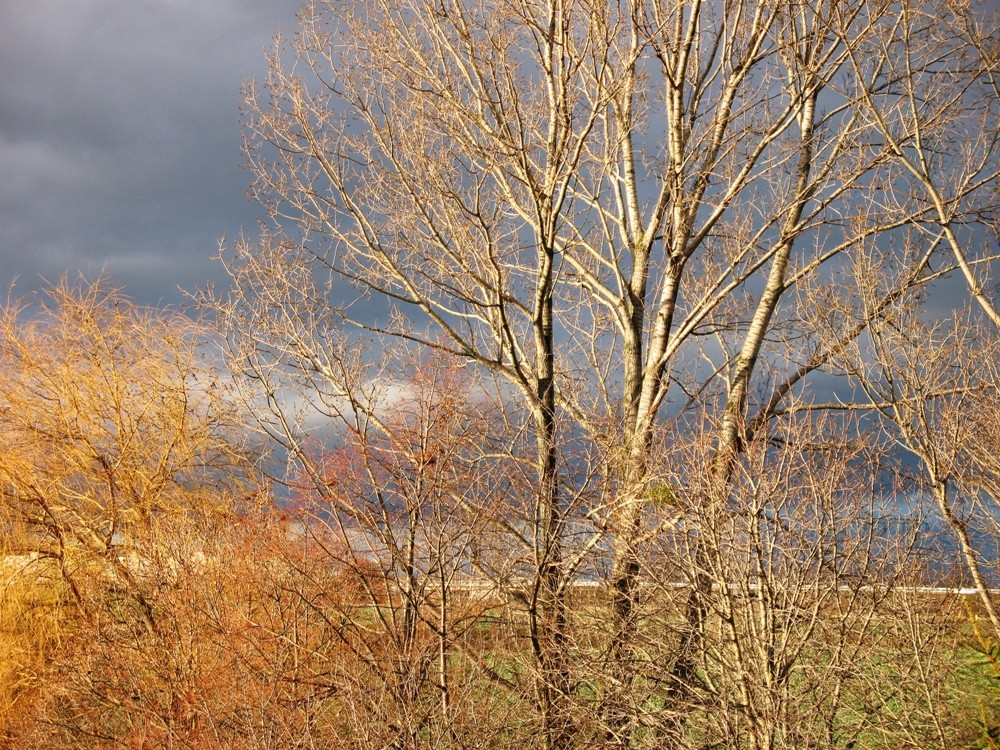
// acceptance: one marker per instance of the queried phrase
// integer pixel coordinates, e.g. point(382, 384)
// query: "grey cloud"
point(119, 136)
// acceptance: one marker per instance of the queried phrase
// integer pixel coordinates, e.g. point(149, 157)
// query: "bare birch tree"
point(625, 213)
point(937, 387)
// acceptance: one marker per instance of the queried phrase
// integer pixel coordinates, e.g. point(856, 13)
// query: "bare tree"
point(936, 385)
point(407, 507)
point(111, 418)
point(770, 564)
point(929, 91)
point(626, 214)
point(117, 438)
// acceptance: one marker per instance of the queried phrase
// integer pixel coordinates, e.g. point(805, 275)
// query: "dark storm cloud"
point(119, 136)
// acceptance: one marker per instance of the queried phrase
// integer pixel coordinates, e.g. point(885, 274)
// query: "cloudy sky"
point(120, 137)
